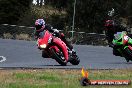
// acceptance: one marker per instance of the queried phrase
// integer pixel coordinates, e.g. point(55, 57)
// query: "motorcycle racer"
point(111, 28)
point(40, 26)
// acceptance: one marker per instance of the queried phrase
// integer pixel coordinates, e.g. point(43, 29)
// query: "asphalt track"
point(24, 54)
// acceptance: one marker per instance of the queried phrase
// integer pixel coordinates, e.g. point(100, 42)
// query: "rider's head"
point(39, 24)
point(109, 23)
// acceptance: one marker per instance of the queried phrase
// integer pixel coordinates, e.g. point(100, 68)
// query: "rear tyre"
point(59, 57)
point(75, 60)
point(128, 54)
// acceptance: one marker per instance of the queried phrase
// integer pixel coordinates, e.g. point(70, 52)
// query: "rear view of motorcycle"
point(122, 45)
point(53, 47)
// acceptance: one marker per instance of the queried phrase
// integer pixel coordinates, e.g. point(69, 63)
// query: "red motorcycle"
point(53, 47)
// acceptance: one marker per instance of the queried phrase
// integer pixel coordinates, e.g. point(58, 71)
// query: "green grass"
point(56, 78)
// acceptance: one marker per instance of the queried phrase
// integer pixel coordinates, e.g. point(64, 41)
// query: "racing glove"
point(56, 33)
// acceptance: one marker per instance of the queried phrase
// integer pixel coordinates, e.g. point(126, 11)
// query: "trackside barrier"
point(8, 31)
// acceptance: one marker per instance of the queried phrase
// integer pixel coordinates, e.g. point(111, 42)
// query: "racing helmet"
point(109, 23)
point(39, 24)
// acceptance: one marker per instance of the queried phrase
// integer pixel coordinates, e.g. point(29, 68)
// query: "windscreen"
point(41, 34)
point(117, 36)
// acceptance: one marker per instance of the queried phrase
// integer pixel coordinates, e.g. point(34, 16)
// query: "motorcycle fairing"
point(120, 38)
point(62, 45)
point(44, 39)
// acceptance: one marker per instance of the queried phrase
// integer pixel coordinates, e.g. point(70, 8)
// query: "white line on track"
point(3, 59)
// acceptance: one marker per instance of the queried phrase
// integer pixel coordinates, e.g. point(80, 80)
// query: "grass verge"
point(56, 78)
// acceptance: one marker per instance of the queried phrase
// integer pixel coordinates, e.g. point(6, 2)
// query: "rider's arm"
point(52, 30)
point(49, 28)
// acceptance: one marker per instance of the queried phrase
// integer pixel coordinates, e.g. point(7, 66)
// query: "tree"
point(11, 10)
point(90, 14)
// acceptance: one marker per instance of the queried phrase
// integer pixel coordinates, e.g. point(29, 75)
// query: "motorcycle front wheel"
point(44, 54)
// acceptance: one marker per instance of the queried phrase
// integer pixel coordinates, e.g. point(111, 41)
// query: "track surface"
point(24, 54)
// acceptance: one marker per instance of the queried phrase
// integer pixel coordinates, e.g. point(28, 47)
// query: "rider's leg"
point(67, 43)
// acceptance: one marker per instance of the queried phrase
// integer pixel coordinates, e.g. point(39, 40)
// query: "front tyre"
point(59, 57)
point(116, 52)
point(44, 54)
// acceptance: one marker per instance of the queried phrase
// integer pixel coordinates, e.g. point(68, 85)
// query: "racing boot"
point(72, 52)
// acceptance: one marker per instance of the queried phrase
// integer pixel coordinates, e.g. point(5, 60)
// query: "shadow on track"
point(56, 65)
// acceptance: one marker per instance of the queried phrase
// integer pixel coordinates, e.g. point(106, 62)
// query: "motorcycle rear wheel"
point(59, 57)
point(75, 60)
point(128, 54)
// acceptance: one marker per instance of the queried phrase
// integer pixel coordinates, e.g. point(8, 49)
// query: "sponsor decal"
point(85, 81)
